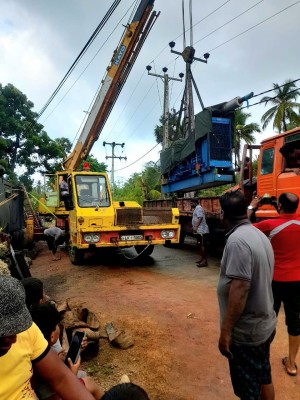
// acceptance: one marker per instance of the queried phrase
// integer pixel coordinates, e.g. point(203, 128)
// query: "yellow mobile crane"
point(92, 219)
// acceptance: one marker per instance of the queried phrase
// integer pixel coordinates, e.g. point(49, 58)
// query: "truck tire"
point(139, 249)
point(182, 237)
point(76, 255)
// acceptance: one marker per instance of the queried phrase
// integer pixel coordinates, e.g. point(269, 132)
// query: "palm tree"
point(284, 105)
point(243, 131)
point(173, 134)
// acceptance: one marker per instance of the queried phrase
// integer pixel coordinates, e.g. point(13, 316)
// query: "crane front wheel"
point(76, 255)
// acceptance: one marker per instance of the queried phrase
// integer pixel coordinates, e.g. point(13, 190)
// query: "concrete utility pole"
point(165, 78)
point(188, 56)
point(113, 145)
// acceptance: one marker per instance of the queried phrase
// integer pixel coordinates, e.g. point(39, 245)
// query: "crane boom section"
point(117, 72)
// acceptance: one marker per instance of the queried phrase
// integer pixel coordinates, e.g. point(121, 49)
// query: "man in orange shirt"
point(284, 235)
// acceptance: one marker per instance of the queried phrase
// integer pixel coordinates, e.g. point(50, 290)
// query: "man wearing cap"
point(23, 349)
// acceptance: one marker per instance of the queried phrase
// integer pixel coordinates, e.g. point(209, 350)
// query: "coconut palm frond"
point(283, 104)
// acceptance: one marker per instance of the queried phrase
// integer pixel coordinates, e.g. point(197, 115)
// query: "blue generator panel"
point(209, 165)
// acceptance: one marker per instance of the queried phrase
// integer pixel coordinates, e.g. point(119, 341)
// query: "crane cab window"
point(91, 191)
point(267, 161)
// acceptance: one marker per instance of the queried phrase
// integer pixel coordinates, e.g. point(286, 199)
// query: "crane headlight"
point(167, 234)
point(91, 237)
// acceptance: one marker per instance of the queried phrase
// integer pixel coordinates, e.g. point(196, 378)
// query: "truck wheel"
point(182, 237)
point(76, 255)
point(139, 249)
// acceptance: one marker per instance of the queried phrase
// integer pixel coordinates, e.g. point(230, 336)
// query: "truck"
point(270, 181)
point(272, 178)
point(95, 221)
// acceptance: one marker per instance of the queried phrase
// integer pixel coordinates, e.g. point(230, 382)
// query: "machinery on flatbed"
point(94, 220)
point(270, 181)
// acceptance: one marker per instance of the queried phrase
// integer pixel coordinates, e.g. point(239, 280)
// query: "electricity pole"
point(188, 55)
point(113, 145)
point(165, 78)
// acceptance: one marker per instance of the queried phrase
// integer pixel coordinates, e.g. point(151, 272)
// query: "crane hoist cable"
point(83, 51)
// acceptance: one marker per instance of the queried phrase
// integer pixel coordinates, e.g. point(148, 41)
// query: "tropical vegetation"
point(25, 148)
point(285, 111)
point(243, 132)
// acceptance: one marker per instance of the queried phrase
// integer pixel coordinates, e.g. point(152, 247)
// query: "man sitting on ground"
point(23, 349)
point(47, 319)
point(34, 291)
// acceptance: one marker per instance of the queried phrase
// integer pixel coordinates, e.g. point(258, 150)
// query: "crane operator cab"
point(91, 191)
point(66, 191)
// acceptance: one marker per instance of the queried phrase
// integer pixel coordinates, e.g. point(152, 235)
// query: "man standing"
point(64, 192)
point(200, 228)
point(284, 234)
point(54, 237)
point(247, 316)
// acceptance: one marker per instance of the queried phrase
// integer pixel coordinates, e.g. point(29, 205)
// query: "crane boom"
point(121, 64)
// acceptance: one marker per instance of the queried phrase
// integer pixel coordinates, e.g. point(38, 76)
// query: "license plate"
point(132, 237)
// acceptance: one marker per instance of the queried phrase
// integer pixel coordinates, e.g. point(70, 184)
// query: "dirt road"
point(170, 308)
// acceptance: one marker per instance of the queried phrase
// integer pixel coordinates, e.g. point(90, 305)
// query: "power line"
point(254, 26)
point(83, 71)
point(157, 86)
point(129, 101)
point(121, 169)
point(134, 112)
point(197, 23)
point(277, 87)
point(271, 98)
point(83, 51)
point(228, 22)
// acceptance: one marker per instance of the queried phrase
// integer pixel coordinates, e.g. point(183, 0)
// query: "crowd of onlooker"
point(260, 270)
point(32, 361)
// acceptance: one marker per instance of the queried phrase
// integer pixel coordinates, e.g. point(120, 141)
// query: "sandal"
point(201, 264)
point(289, 371)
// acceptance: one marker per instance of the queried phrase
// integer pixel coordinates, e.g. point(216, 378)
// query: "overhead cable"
point(228, 22)
point(254, 26)
point(80, 75)
point(129, 165)
point(277, 87)
point(197, 23)
point(83, 51)
point(270, 98)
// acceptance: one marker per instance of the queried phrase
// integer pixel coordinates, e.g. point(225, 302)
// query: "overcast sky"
point(40, 39)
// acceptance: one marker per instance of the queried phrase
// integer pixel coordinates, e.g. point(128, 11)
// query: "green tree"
point(95, 165)
point(173, 135)
point(131, 190)
point(141, 186)
point(151, 178)
point(243, 132)
point(24, 145)
point(285, 109)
